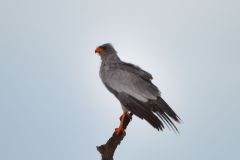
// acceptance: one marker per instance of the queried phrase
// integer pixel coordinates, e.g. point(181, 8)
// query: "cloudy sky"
point(53, 105)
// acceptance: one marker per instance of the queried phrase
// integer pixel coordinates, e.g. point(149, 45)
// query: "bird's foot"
point(119, 131)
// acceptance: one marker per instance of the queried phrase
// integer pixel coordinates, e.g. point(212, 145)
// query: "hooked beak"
point(99, 50)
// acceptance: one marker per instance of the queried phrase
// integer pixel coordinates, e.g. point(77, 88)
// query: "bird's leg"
point(120, 129)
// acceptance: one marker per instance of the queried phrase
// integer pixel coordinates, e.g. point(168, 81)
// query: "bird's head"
point(105, 49)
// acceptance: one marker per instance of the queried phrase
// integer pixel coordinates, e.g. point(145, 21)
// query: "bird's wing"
point(132, 81)
point(133, 87)
point(136, 70)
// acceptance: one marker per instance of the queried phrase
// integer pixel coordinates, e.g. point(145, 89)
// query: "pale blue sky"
point(53, 105)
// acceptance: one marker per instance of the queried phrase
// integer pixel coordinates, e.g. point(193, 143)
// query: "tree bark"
point(107, 150)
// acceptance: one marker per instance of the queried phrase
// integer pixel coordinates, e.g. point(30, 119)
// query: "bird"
point(134, 89)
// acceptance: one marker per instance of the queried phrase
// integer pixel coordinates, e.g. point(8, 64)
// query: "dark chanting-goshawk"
point(133, 87)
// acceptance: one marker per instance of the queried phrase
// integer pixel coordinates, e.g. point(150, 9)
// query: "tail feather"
point(162, 106)
point(167, 122)
point(157, 112)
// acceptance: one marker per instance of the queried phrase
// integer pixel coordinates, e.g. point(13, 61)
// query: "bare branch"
point(107, 150)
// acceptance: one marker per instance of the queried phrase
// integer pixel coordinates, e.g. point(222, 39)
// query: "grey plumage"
point(132, 86)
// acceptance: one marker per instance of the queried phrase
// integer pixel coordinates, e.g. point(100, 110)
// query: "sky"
point(53, 105)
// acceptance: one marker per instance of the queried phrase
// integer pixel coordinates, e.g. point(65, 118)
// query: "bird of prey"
point(133, 87)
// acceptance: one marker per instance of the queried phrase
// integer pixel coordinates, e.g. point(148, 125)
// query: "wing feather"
point(140, 110)
point(123, 80)
point(134, 89)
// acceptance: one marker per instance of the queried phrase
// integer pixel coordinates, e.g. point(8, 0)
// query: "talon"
point(119, 131)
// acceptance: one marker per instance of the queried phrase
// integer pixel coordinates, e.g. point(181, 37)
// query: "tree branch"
point(107, 150)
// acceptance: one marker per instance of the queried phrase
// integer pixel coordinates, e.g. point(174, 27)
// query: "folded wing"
point(134, 89)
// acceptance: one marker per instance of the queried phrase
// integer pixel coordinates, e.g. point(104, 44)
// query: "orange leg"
point(120, 129)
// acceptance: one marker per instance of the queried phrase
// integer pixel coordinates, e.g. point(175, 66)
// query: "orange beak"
point(99, 50)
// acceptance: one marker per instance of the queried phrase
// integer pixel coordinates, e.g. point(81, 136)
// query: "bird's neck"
point(110, 59)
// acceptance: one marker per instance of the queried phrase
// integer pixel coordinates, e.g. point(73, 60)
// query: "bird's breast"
point(104, 71)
